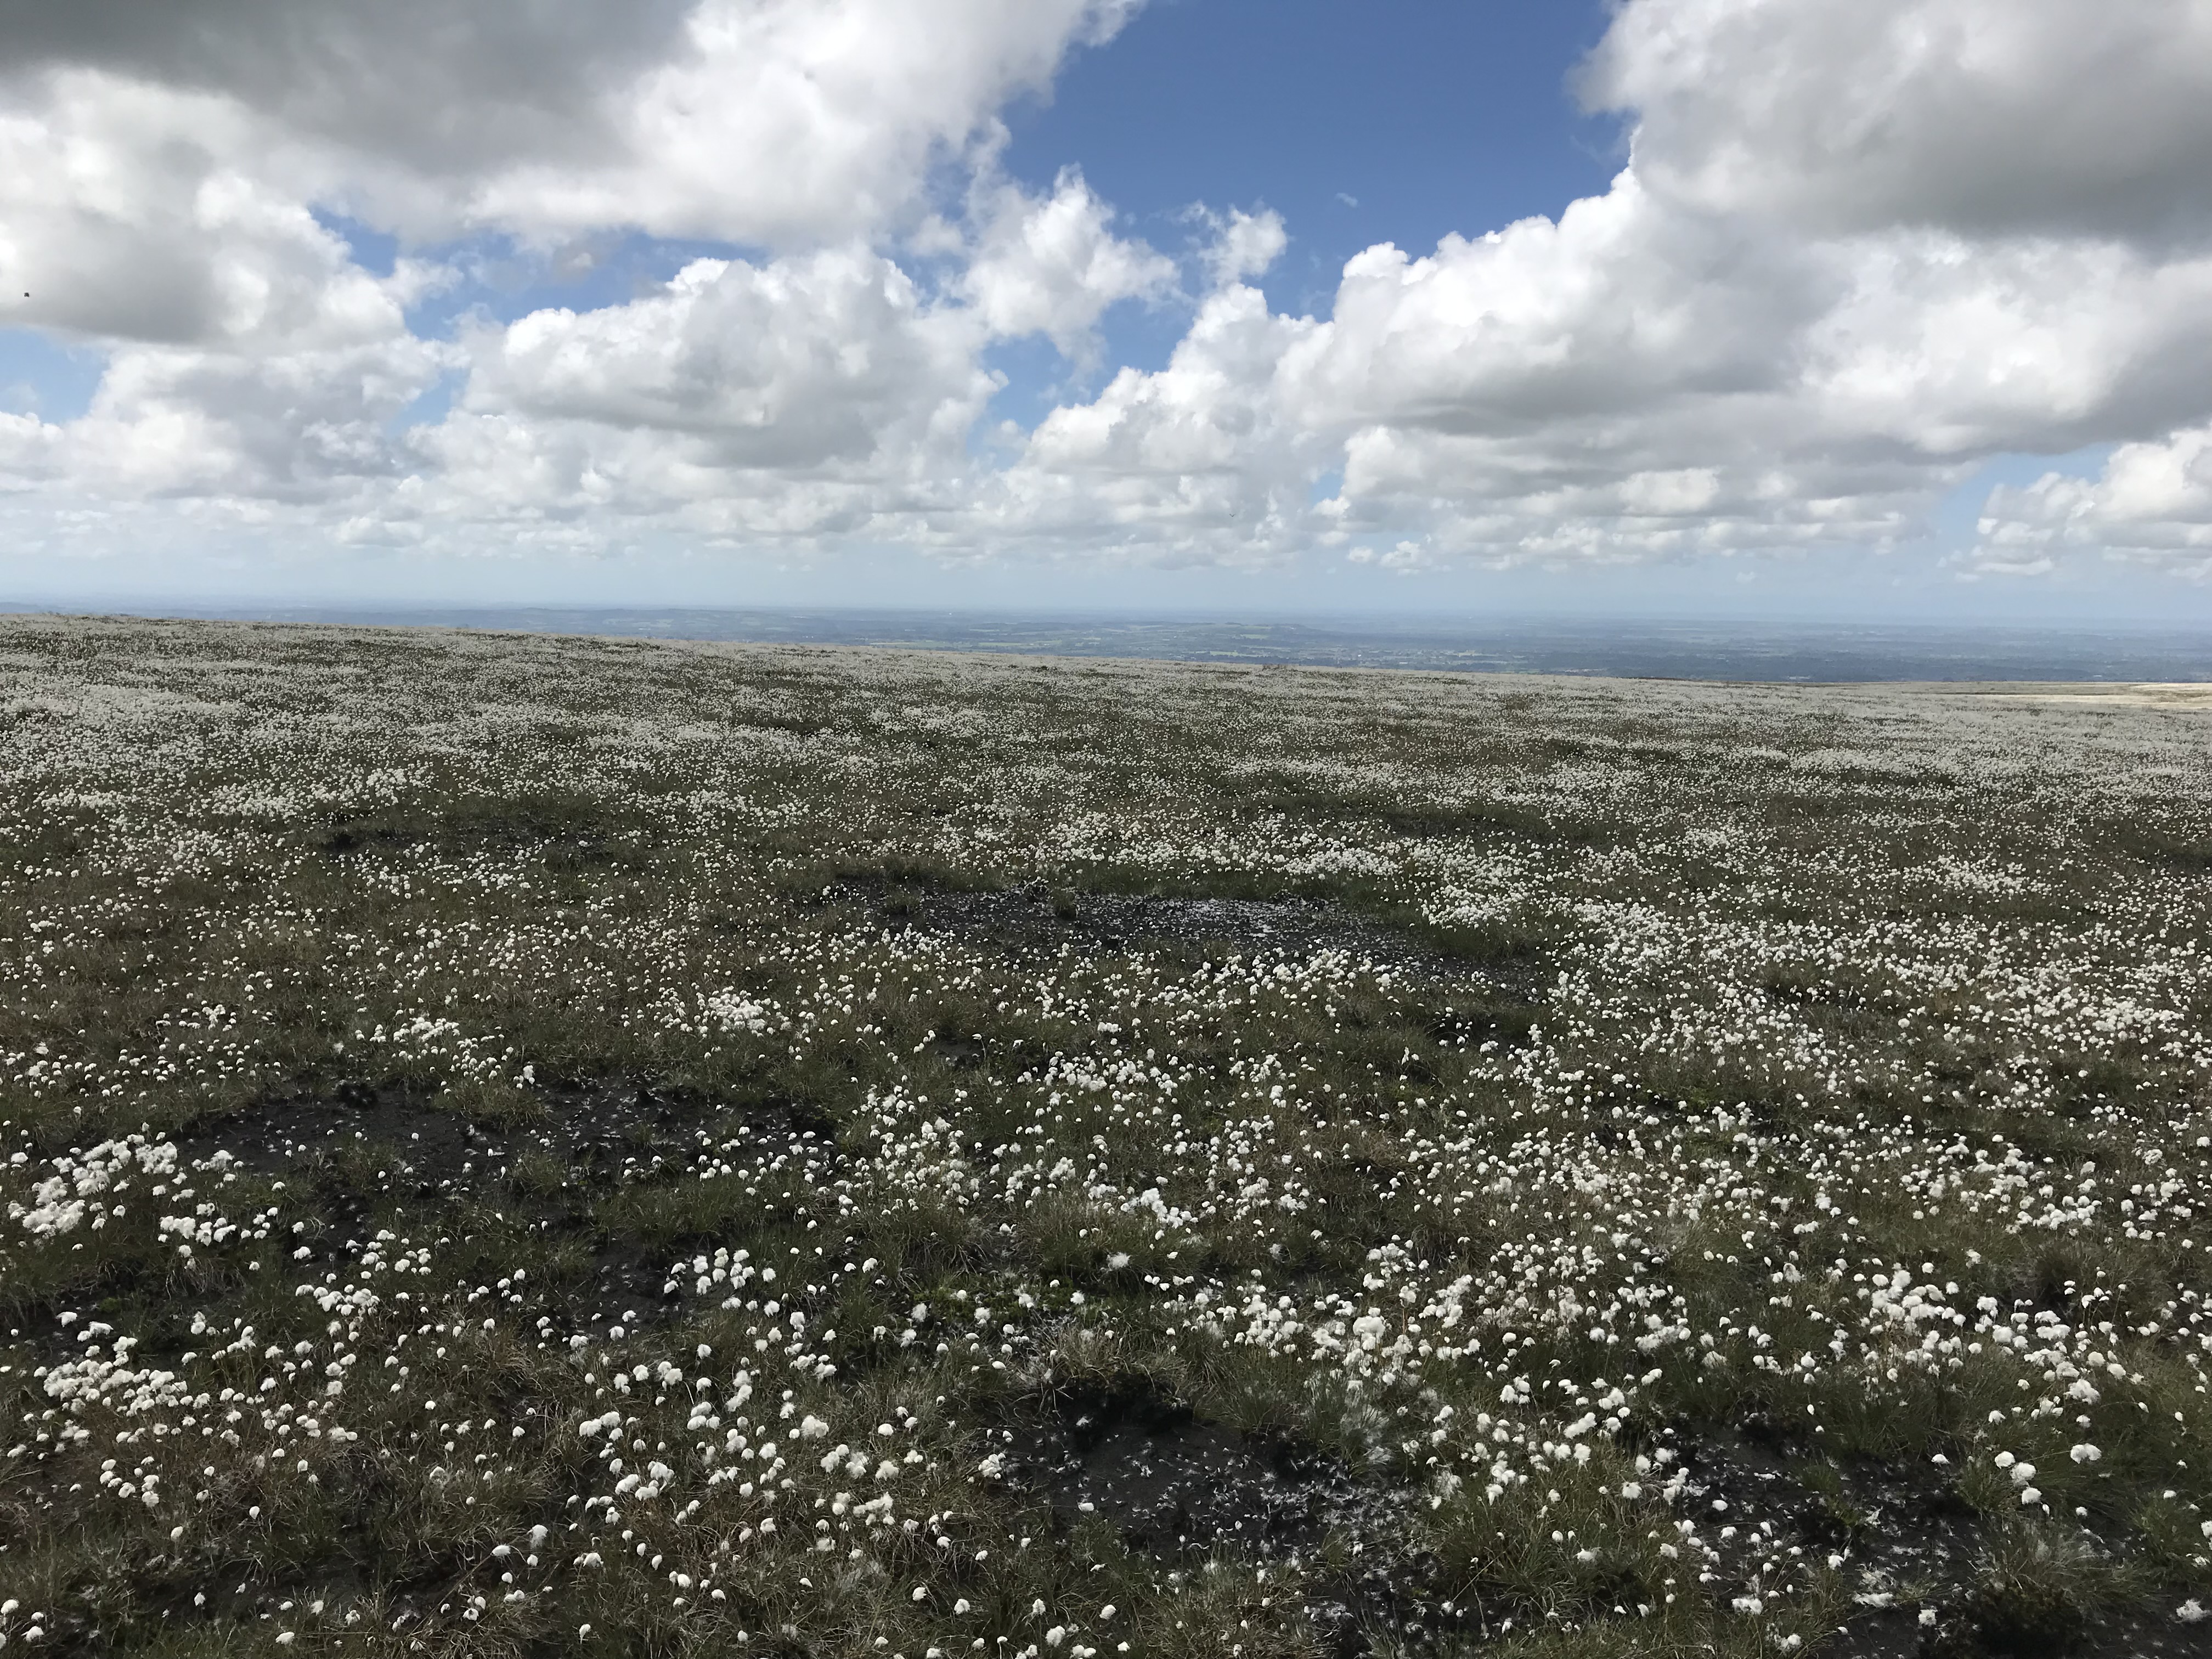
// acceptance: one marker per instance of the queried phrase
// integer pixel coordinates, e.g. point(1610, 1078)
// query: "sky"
point(1892, 308)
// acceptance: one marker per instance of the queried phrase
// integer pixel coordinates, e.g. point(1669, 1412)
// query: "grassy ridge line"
point(1560, 1162)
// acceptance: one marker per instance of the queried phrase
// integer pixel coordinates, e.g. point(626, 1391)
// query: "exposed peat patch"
point(1173, 1484)
point(602, 1134)
point(1033, 919)
point(1183, 1490)
point(431, 1146)
point(364, 1149)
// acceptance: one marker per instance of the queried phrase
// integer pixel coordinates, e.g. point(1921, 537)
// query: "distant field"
point(518, 1145)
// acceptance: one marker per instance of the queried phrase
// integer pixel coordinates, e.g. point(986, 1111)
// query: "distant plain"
point(1714, 648)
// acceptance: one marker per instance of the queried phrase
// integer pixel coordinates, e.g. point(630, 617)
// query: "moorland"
point(518, 1146)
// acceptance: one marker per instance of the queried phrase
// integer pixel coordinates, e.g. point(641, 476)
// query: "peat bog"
point(523, 1145)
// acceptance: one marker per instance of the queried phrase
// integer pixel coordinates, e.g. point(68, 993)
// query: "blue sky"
point(1208, 304)
point(1393, 121)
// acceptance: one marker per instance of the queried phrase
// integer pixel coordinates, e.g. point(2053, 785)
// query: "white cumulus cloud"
point(1053, 267)
point(2152, 503)
point(1853, 252)
point(2003, 117)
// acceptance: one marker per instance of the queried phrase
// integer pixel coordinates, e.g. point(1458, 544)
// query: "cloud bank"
point(1853, 253)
